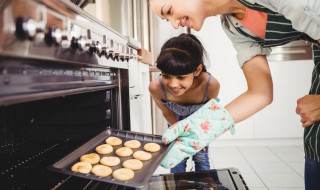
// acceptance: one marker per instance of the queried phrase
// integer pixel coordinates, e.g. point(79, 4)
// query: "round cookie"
point(104, 149)
point(114, 141)
point(82, 167)
point(132, 144)
point(110, 161)
point(123, 174)
point(101, 170)
point(151, 147)
point(142, 155)
point(133, 164)
point(124, 151)
point(91, 158)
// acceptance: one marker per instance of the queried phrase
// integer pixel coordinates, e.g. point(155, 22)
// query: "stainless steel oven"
point(63, 80)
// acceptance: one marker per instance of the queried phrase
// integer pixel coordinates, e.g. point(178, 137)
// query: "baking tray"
point(141, 176)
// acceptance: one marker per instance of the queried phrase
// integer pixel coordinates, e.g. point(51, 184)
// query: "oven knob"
point(84, 43)
point(116, 52)
point(122, 53)
point(131, 54)
point(65, 40)
point(110, 50)
point(25, 28)
point(95, 48)
point(98, 48)
point(127, 55)
point(53, 36)
point(103, 51)
point(74, 43)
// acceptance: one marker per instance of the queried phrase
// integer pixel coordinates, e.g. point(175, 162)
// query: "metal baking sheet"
point(141, 176)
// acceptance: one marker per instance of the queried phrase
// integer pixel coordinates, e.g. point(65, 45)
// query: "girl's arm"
point(259, 93)
point(213, 89)
point(156, 93)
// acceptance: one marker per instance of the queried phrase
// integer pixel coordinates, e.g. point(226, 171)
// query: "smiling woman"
point(173, 11)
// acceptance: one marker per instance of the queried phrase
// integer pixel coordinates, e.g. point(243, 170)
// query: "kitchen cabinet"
point(140, 108)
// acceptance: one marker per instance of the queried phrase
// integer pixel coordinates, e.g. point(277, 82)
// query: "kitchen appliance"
point(64, 79)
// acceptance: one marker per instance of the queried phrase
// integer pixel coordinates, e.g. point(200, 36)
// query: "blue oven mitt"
point(195, 132)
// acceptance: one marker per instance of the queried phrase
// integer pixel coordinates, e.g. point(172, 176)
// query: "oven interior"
point(36, 134)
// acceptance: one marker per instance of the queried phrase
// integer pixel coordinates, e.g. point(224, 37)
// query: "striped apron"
point(279, 31)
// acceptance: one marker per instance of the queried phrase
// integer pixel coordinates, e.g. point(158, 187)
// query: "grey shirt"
point(304, 15)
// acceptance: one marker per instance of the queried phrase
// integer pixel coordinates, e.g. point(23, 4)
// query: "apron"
point(279, 31)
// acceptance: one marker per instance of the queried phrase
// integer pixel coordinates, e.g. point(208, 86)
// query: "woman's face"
point(180, 13)
point(177, 84)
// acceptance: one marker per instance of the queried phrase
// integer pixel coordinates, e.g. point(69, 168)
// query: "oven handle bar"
point(15, 99)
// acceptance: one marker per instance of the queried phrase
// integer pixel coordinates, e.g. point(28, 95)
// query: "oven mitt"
point(195, 132)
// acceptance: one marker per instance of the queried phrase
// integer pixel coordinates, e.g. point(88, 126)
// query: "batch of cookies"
point(101, 167)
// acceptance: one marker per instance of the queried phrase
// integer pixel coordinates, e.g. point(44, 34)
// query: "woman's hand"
point(308, 107)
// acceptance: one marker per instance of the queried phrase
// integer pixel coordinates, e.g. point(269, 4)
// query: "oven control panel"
point(60, 31)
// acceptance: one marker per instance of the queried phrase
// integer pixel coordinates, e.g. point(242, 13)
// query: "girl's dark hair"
point(181, 55)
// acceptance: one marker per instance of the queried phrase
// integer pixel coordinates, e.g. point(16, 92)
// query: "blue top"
point(183, 111)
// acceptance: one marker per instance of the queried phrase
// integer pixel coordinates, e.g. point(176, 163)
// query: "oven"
point(64, 79)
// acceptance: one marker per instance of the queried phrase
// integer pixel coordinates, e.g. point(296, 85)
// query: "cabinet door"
point(135, 114)
point(145, 98)
point(134, 78)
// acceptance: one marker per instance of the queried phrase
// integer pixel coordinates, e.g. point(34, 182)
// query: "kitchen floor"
point(263, 165)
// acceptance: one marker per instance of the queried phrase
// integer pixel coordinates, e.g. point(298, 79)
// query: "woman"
point(183, 87)
point(254, 26)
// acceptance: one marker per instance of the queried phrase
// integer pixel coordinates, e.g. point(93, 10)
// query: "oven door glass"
point(223, 179)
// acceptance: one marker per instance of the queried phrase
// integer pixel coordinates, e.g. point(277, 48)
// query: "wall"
point(291, 81)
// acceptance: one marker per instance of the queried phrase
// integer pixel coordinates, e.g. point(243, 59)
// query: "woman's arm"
point(259, 93)
point(156, 93)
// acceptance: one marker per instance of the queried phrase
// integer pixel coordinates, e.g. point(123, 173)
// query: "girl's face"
point(177, 84)
point(189, 13)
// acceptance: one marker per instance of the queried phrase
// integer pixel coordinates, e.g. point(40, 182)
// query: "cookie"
point(133, 164)
point(142, 155)
point(104, 149)
point(114, 141)
point(101, 170)
point(123, 174)
point(151, 147)
point(132, 144)
point(110, 161)
point(82, 167)
point(124, 152)
point(91, 158)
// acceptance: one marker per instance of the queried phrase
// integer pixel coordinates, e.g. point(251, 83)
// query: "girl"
point(183, 86)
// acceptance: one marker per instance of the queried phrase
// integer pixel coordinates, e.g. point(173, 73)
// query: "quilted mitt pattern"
point(196, 132)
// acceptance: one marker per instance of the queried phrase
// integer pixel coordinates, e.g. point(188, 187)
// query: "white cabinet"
point(140, 108)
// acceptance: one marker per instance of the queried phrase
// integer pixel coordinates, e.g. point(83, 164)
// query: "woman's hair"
point(181, 55)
